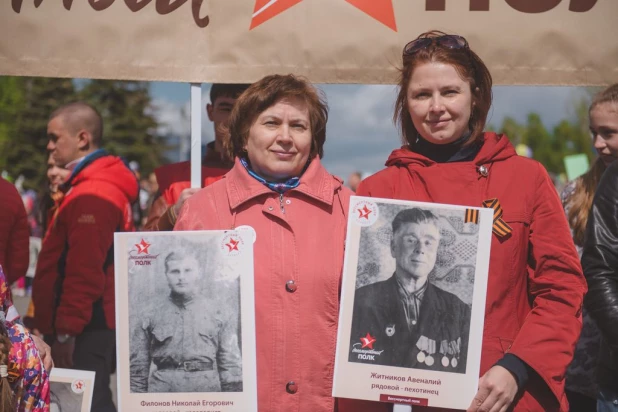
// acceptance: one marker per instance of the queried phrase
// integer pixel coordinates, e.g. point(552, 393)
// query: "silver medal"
point(429, 360)
point(420, 357)
point(454, 362)
point(390, 330)
point(445, 361)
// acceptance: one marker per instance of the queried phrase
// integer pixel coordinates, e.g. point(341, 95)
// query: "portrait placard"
point(185, 323)
point(412, 302)
point(70, 390)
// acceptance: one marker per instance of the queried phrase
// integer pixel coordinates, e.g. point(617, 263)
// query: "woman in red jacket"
point(535, 287)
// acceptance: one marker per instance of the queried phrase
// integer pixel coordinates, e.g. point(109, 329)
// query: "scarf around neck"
point(279, 187)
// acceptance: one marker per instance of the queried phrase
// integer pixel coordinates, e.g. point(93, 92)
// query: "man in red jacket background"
point(14, 233)
point(175, 179)
point(73, 289)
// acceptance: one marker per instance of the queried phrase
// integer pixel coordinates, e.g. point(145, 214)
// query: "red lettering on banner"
point(162, 7)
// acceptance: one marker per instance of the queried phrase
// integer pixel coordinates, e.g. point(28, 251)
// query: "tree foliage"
point(25, 106)
point(129, 125)
point(568, 137)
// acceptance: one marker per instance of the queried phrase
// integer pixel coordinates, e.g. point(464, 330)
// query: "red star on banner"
point(232, 245)
point(267, 9)
point(368, 341)
point(142, 247)
point(79, 384)
point(381, 10)
point(364, 213)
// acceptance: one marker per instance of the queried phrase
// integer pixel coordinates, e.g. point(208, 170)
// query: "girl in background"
point(581, 379)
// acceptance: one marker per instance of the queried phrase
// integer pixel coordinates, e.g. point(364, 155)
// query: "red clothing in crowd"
point(174, 178)
point(536, 287)
point(74, 282)
point(14, 233)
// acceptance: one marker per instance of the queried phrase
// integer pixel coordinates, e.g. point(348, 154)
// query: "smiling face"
point(415, 248)
point(439, 102)
point(182, 275)
point(279, 141)
point(604, 130)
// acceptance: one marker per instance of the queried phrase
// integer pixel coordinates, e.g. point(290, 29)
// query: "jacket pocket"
point(163, 332)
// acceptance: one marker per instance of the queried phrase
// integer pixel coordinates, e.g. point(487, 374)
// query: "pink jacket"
point(298, 257)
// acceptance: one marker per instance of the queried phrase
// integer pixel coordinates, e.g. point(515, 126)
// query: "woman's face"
point(56, 175)
point(604, 130)
point(440, 102)
point(279, 140)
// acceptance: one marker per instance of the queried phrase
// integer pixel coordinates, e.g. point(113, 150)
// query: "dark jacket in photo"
point(379, 315)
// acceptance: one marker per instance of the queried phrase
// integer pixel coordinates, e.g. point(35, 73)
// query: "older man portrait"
point(406, 320)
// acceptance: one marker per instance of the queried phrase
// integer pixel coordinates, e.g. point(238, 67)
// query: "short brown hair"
point(263, 94)
point(468, 65)
point(81, 115)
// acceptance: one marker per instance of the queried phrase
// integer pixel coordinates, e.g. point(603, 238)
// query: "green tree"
point(24, 149)
point(129, 128)
point(11, 102)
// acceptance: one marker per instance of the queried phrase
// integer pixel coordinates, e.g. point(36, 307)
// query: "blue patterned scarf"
point(279, 187)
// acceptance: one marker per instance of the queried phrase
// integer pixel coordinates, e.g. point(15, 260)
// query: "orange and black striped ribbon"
point(472, 216)
point(500, 227)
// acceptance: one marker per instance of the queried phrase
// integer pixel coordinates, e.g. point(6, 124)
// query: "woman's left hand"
point(497, 389)
point(44, 352)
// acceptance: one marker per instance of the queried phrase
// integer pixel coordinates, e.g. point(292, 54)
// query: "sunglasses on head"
point(450, 41)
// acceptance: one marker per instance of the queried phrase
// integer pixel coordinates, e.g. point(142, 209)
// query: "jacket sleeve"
point(91, 222)
point(18, 248)
point(556, 289)
point(159, 218)
point(600, 257)
point(140, 358)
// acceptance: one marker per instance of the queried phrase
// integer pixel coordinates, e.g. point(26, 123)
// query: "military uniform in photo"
point(192, 345)
point(428, 330)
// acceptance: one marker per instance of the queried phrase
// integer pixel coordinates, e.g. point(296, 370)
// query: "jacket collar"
point(315, 183)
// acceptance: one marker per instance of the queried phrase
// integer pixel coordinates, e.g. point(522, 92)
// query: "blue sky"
point(360, 132)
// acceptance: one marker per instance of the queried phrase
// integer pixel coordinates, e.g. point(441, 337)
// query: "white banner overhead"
point(554, 42)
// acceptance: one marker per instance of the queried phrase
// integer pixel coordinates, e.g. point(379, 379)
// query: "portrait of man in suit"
point(406, 320)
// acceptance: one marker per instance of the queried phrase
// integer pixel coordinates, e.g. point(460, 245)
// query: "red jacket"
point(74, 282)
point(14, 233)
point(536, 286)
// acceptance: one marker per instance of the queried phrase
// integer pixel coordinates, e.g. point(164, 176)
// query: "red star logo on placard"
point(364, 213)
point(232, 245)
point(381, 10)
point(79, 384)
point(367, 341)
point(142, 247)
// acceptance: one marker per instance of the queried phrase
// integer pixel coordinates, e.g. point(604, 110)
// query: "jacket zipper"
point(281, 203)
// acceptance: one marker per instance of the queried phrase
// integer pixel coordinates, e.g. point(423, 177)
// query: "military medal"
point(390, 330)
point(429, 360)
point(445, 361)
point(421, 357)
point(454, 362)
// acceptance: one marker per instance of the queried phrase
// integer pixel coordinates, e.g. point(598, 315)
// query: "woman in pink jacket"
point(298, 210)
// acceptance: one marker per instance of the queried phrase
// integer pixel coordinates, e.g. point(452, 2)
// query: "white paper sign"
point(70, 390)
point(185, 321)
point(413, 302)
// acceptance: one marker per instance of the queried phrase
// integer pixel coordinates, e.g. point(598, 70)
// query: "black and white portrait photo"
point(415, 278)
point(185, 319)
point(412, 302)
